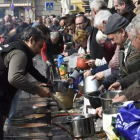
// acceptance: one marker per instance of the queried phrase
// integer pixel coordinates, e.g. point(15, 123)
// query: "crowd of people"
point(110, 36)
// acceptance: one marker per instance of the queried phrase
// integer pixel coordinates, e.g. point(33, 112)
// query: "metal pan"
point(34, 118)
point(94, 99)
point(26, 128)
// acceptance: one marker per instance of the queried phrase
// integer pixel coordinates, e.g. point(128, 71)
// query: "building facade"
point(36, 8)
point(80, 6)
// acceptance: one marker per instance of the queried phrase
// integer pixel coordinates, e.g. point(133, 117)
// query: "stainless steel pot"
point(90, 85)
point(106, 98)
point(114, 108)
point(82, 126)
point(60, 86)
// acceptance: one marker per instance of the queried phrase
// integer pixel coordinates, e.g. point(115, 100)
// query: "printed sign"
point(49, 6)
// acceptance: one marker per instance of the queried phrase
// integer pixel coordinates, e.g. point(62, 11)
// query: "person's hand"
point(91, 63)
point(65, 47)
point(65, 54)
point(70, 80)
point(48, 63)
point(87, 73)
point(99, 111)
point(118, 98)
point(49, 83)
point(98, 76)
point(81, 55)
point(43, 92)
point(115, 86)
point(41, 84)
point(101, 88)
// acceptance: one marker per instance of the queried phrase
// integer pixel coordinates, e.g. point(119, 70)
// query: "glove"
point(48, 63)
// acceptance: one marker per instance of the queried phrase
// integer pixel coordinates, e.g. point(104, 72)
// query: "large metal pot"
point(106, 98)
point(82, 126)
point(94, 99)
point(60, 86)
point(90, 85)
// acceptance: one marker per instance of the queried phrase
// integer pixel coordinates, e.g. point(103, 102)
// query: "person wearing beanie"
point(129, 57)
point(115, 30)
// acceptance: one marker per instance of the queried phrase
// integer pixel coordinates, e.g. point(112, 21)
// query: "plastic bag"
point(62, 69)
point(108, 127)
point(128, 121)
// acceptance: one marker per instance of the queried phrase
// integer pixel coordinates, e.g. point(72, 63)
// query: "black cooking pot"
point(60, 86)
point(94, 99)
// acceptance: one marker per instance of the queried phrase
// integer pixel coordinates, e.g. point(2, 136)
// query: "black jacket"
point(96, 51)
point(88, 29)
point(4, 84)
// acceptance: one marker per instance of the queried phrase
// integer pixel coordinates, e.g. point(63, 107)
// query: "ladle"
point(60, 105)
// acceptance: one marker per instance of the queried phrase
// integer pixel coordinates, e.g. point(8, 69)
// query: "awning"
point(4, 5)
point(16, 5)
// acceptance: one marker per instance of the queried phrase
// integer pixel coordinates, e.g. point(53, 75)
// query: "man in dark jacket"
point(81, 22)
point(96, 50)
point(131, 81)
point(15, 63)
point(55, 25)
point(123, 5)
point(129, 57)
point(21, 26)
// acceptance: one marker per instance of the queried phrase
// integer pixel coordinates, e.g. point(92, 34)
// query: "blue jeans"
point(14, 104)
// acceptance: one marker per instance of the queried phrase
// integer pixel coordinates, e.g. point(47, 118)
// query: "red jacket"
point(50, 49)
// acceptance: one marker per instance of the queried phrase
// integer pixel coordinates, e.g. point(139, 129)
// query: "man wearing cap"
point(130, 83)
point(21, 26)
point(129, 57)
